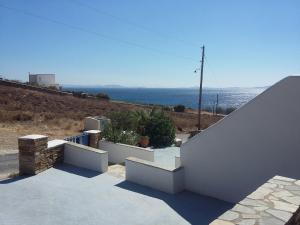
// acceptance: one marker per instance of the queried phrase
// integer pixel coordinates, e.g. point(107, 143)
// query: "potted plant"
point(144, 141)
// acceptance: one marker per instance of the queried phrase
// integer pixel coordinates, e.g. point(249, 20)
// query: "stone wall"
point(31, 87)
point(94, 137)
point(35, 156)
point(275, 202)
point(50, 157)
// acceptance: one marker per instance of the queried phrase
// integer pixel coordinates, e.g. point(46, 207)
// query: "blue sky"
point(151, 43)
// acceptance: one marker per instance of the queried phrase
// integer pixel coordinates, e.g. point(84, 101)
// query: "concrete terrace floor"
point(70, 195)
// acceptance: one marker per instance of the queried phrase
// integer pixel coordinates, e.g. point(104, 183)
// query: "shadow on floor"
point(64, 167)
point(14, 179)
point(77, 170)
point(194, 208)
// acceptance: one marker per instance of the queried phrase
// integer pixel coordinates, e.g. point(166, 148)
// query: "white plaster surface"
point(92, 131)
point(56, 142)
point(117, 153)
point(149, 174)
point(177, 162)
point(86, 157)
point(91, 123)
point(249, 146)
point(33, 136)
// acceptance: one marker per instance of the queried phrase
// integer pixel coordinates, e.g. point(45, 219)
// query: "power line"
point(211, 71)
point(131, 23)
point(101, 35)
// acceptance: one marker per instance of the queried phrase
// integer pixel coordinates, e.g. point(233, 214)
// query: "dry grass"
point(25, 112)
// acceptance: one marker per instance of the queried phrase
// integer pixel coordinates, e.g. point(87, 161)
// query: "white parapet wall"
point(91, 123)
point(86, 157)
point(169, 180)
point(117, 153)
point(177, 161)
point(248, 147)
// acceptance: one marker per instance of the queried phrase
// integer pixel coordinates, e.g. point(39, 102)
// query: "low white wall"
point(86, 157)
point(91, 123)
point(148, 174)
point(117, 153)
point(177, 162)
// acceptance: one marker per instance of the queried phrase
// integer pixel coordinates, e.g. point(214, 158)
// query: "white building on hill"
point(47, 80)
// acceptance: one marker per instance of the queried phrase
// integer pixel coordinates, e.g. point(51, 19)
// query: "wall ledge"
point(131, 146)
point(153, 164)
point(87, 148)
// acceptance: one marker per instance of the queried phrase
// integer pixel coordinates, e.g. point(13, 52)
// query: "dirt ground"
point(9, 132)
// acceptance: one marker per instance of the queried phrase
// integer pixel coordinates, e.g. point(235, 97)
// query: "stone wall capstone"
point(276, 202)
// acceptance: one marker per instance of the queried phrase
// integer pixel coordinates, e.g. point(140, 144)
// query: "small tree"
point(179, 108)
point(142, 119)
point(123, 120)
point(160, 129)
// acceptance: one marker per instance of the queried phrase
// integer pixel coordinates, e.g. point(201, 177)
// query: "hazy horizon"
point(122, 86)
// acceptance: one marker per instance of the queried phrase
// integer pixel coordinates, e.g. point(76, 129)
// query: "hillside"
point(25, 111)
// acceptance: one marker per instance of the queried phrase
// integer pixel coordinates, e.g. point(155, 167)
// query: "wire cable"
point(101, 35)
point(131, 23)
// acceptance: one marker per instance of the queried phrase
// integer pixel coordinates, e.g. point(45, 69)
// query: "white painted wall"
point(117, 153)
point(91, 123)
point(86, 157)
point(151, 175)
point(251, 145)
point(96, 123)
point(42, 79)
point(177, 161)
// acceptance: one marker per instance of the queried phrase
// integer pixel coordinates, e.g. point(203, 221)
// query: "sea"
point(189, 97)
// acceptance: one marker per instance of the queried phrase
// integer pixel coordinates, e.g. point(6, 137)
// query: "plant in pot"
point(142, 118)
point(144, 141)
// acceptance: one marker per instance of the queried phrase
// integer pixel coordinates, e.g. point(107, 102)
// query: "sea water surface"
point(228, 97)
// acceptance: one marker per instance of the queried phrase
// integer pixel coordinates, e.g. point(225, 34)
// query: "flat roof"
point(41, 74)
point(71, 195)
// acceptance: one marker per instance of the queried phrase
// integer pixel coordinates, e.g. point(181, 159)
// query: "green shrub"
point(179, 108)
point(160, 129)
point(115, 135)
point(103, 96)
point(123, 120)
point(127, 127)
point(142, 118)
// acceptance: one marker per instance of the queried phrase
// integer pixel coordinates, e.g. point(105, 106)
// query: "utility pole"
point(217, 104)
point(200, 89)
